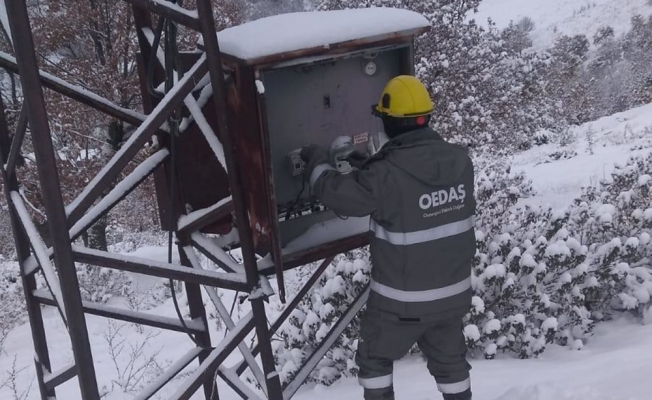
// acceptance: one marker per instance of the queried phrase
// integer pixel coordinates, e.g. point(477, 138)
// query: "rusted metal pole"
point(197, 311)
point(42, 357)
point(51, 189)
point(207, 24)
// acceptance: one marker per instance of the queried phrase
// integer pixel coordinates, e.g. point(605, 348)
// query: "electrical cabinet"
point(284, 91)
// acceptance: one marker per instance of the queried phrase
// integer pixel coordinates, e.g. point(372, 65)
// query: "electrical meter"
point(340, 150)
point(295, 163)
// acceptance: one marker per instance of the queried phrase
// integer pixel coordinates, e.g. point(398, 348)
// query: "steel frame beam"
point(53, 202)
point(21, 241)
point(76, 93)
point(67, 223)
point(212, 49)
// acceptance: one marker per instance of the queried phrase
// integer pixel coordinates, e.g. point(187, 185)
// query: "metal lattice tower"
point(236, 126)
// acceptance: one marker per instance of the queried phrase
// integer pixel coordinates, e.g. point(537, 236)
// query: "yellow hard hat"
point(404, 96)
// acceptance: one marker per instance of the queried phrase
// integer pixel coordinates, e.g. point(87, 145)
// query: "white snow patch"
point(643, 180)
point(471, 332)
point(491, 326)
point(550, 324)
point(555, 183)
point(554, 18)
point(260, 87)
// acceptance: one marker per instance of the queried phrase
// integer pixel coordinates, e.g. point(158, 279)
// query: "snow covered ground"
point(614, 365)
point(554, 18)
point(609, 368)
point(615, 139)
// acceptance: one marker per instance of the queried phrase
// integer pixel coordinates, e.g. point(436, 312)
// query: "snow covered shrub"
point(539, 276)
point(545, 277)
point(98, 284)
point(557, 155)
point(12, 301)
point(341, 283)
point(497, 190)
point(6, 233)
point(616, 222)
point(529, 285)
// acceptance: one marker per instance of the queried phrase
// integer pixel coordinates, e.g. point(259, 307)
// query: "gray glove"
point(313, 155)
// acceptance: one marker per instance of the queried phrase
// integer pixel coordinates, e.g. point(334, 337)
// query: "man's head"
point(404, 106)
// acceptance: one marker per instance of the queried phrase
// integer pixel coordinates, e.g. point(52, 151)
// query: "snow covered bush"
point(540, 276)
point(549, 277)
point(12, 303)
point(340, 284)
point(530, 283)
point(497, 190)
point(98, 284)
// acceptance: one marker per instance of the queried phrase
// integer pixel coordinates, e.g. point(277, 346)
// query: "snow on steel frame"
point(227, 116)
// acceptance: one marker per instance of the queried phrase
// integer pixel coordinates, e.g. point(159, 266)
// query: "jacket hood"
point(424, 155)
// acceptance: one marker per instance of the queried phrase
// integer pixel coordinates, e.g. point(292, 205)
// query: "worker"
point(418, 190)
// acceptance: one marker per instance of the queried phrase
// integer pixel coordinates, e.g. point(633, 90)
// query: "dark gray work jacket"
point(418, 191)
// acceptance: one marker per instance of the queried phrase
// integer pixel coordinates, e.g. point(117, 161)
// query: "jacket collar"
point(408, 139)
point(413, 137)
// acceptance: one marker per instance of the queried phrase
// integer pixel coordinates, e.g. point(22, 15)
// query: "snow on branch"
point(40, 251)
point(122, 188)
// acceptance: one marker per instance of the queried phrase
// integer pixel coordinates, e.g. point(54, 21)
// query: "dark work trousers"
point(386, 337)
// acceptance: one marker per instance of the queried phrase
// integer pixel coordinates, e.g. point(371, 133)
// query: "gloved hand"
point(313, 155)
point(357, 159)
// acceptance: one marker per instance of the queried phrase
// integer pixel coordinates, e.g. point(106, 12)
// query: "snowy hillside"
point(594, 150)
point(554, 18)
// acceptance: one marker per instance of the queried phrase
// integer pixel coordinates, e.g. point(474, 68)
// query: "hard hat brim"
point(378, 113)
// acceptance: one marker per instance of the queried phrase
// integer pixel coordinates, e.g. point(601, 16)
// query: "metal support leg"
point(204, 9)
point(50, 187)
point(197, 310)
point(42, 356)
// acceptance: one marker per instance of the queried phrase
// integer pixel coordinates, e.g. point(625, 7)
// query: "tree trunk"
point(97, 235)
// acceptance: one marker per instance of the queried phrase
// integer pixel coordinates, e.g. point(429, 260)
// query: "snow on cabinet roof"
point(317, 29)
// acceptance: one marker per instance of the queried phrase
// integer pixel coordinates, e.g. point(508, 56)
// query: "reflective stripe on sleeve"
point(380, 382)
point(317, 171)
point(453, 388)
point(421, 295)
point(427, 235)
